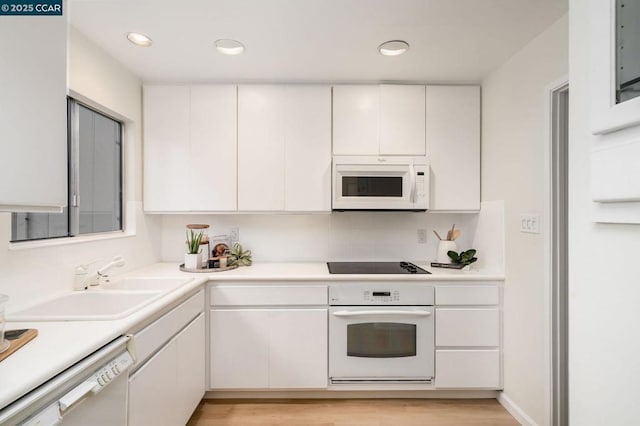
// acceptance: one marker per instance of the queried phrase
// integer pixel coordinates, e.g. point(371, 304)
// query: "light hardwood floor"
point(352, 412)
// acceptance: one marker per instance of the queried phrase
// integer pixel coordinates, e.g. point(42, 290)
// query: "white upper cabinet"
point(261, 147)
point(453, 147)
point(284, 148)
point(308, 148)
point(379, 120)
point(402, 120)
point(189, 148)
point(356, 110)
point(33, 122)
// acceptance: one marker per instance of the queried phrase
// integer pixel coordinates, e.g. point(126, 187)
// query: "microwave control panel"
point(422, 182)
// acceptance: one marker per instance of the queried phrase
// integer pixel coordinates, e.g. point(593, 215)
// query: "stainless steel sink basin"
point(145, 284)
point(86, 306)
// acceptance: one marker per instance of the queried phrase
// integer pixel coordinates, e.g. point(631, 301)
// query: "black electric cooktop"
point(374, 268)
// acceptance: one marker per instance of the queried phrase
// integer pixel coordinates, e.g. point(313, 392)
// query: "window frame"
point(73, 183)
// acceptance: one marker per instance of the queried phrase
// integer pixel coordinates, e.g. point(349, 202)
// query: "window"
point(95, 181)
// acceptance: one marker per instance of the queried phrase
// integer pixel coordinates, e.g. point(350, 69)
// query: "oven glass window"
point(372, 186)
point(381, 340)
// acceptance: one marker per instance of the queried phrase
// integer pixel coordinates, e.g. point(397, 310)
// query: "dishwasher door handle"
point(385, 313)
point(77, 394)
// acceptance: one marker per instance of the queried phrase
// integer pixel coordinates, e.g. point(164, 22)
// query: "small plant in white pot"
point(192, 259)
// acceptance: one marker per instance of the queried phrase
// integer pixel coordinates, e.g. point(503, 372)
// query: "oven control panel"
point(372, 294)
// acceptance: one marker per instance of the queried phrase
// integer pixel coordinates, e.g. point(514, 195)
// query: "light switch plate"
point(530, 223)
point(422, 236)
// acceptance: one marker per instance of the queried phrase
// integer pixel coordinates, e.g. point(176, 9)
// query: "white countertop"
point(61, 344)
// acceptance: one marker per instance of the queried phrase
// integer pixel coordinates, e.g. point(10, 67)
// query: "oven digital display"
point(382, 293)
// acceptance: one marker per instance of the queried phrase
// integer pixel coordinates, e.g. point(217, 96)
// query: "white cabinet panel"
point(468, 369)
point(308, 148)
point(189, 141)
point(151, 390)
point(453, 147)
point(213, 150)
point(239, 349)
point(467, 327)
point(468, 295)
point(356, 111)
point(402, 119)
point(261, 148)
point(190, 369)
point(298, 348)
point(166, 148)
point(33, 122)
point(268, 295)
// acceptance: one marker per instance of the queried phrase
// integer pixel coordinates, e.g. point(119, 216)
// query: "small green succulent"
point(239, 256)
point(193, 241)
point(464, 258)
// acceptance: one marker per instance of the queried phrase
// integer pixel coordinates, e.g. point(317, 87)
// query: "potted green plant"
point(239, 256)
point(465, 258)
point(192, 259)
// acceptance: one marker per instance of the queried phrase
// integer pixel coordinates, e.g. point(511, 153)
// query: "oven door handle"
point(387, 312)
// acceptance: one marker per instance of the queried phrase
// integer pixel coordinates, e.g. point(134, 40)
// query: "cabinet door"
point(239, 349)
point(152, 390)
point(190, 368)
point(453, 147)
point(167, 161)
point(467, 327)
point(356, 111)
point(33, 122)
point(468, 369)
point(213, 148)
point(402, 119)
point(308, 148)
point(298, 348)
point(261, 148)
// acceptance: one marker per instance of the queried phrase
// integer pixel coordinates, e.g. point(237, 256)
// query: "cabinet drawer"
point(468, 369)
point(268, 295)
point(468, 295)
point(149, 339)
point(467, 327)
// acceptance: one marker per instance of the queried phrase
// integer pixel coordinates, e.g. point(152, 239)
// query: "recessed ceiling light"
point(139, 39)
point(393, 47)
point(228, 46)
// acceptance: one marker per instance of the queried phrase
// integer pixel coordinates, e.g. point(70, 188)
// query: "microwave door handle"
point(412, 171)
point(382, 313)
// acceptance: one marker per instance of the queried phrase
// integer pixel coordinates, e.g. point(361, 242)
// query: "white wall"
point(513, 144)
point(36, 273)
point(604, 288)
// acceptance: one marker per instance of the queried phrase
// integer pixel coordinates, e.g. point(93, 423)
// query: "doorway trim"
point(555, 259)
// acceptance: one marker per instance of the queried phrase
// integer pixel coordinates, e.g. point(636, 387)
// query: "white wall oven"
point(381, 333)
point(380, 183)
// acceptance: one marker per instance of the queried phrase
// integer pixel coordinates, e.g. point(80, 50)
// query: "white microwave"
point(380, 183)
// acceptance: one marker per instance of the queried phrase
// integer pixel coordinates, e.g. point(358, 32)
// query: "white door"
point(298, 348)
point(261, 147)
point(239, 348)
point(213, 148)
point(167, 160)
point(453, 147)
point(190, 367)
point(356, 113)
point(33, 121)
point(308, 148)
point(402, 119)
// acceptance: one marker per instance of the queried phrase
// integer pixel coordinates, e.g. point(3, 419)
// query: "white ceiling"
point(315, 40)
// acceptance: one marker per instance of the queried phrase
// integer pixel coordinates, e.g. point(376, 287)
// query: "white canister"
point(445, 246)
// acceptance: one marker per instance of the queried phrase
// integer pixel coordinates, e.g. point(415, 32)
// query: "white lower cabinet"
point(268, 348)
point(169, 386)
point(268, 336)
point(468, 337)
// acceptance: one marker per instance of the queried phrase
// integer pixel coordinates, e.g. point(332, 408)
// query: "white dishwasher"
point(91, 392)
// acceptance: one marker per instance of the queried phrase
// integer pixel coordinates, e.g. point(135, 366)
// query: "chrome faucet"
point(83, 279)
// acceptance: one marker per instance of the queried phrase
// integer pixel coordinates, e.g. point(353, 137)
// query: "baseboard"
point(327, 394)
point(513, 409)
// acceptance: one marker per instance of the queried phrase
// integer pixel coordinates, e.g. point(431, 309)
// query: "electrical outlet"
point(234, 234)
point(422, 236)
point(530, 223)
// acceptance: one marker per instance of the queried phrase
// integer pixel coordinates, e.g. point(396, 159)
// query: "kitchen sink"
point(155, 284)
point(87, 306)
